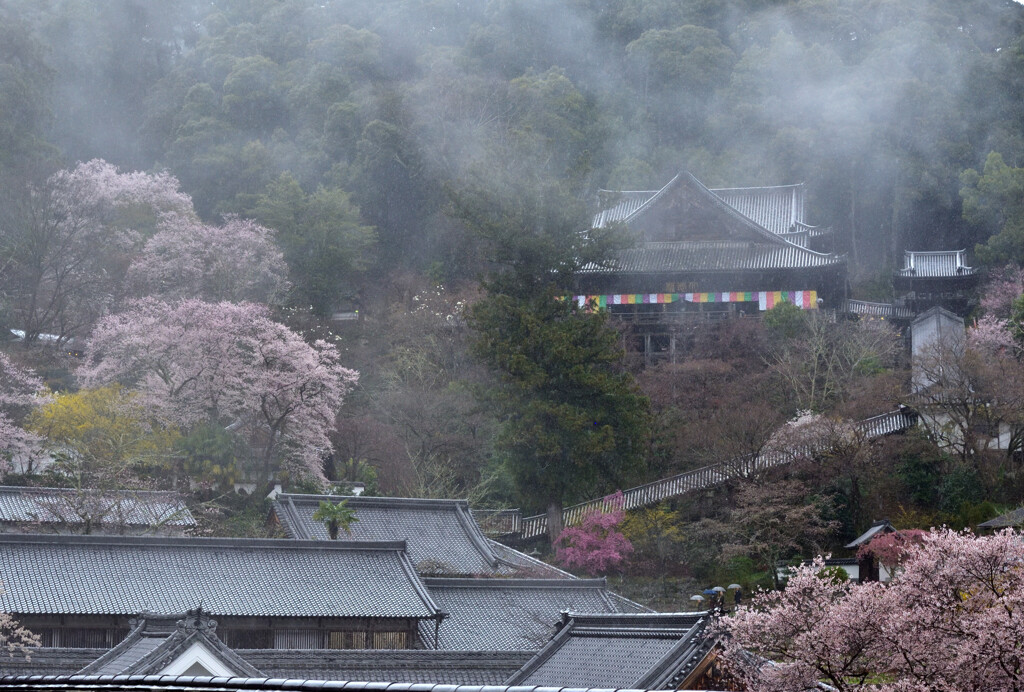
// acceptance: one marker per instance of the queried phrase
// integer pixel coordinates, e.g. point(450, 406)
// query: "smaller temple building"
point(935, 279)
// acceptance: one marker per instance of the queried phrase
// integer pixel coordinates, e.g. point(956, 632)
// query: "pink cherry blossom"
point(194, 361)
point(20, 391)
point(189, 259)
point(952, 618)
point(991, 335)
point(595, 546)
point(1005, 287)
point(72, 239)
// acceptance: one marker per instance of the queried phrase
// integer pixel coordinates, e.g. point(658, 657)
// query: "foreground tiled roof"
point(713, 256)
point(653, 651)
point(512, 614)
point(186, 683)
point(419, 666)
point(242, 577)
point(929, 265)
point(441, 535)
point(135, 508)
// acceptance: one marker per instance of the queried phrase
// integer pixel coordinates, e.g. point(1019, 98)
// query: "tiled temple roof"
point(886, 310)
point(49, 661)
point(513, 614)
point(125, 575)
point(441, 535)
point(652, 651)
point(136, 508)
point(929, 265)
point(778, 208)
point(402, 665)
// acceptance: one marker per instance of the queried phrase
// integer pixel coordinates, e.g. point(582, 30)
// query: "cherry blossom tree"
point(193, 362)
point(238, 261)
point(596, 545)
point(1005, 286)
point(20, 391)
point(992, 336)
point(952, 618)
point(14, 637)
point(68, 243)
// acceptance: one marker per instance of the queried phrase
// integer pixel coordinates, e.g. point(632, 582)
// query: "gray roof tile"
point(653, 651)
point(1014, 518)
point(877, 529)
point(930, 265)
point(244, 577)
point(20, 504)
point(712, 256)
point(415, 666)
point(512, 614)
point(776, 208)
point(48, 661)
point(863, 307)
point(442, 536)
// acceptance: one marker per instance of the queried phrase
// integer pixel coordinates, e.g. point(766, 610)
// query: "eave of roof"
point(711, 257)
point(490, 614)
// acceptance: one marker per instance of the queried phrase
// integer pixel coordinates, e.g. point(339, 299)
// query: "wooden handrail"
point(708, 476)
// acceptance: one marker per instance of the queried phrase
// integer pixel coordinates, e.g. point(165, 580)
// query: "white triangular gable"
point(198, 660)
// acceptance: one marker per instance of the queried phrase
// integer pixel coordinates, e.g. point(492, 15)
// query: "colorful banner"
point(766, 300)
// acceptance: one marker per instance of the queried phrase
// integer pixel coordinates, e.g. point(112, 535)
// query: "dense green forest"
point(399, 151)
point(879, 106)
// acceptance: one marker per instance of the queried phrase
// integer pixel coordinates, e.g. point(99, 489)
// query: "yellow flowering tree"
point(101, 438)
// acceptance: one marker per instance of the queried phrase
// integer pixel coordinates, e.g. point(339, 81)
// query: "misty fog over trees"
point(322, 241)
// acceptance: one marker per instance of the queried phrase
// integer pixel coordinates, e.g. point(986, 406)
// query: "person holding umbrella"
point(737, 596)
